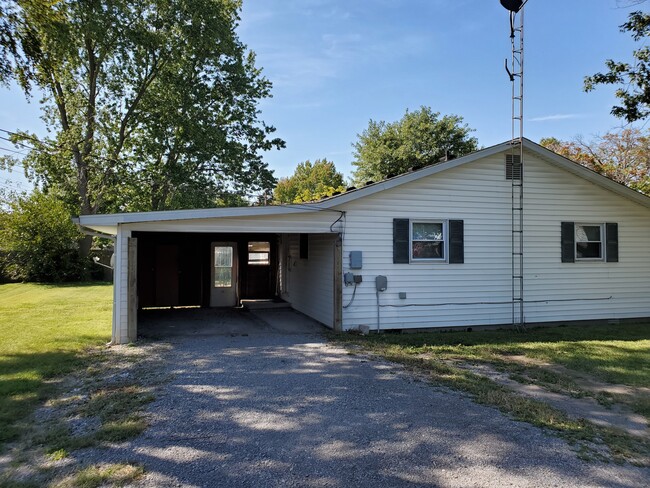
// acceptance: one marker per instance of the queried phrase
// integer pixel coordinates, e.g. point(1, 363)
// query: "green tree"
point(38, 241)
point(633, 78)
point(418, 139)
point(309, 182)
point(623, 157)
point(151, 104)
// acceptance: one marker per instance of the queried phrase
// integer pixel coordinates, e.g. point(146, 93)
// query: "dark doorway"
point(174, 269)
point(167, 275)
point(258, 271)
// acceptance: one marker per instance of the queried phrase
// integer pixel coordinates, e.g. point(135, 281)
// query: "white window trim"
point(603, 240)
point(445, 241)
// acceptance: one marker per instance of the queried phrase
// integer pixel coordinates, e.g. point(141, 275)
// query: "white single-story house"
point(441, 236)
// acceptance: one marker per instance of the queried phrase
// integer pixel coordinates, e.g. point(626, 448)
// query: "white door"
point(223, 292)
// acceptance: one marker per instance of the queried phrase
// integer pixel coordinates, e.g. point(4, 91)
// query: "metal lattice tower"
point(515, 160)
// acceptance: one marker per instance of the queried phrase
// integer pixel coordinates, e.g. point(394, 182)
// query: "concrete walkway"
point(578, 408)
point(270, 403)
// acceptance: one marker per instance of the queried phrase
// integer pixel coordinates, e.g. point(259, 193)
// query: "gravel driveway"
point(278, 406)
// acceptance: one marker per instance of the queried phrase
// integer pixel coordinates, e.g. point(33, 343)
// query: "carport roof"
point(108, 223)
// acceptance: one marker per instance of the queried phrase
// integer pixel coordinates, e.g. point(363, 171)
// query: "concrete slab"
point(181, 322)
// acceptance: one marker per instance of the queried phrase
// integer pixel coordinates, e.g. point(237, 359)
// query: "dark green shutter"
point(456, 242)
point(568, 242)
point(611, 234)
point(401, 252)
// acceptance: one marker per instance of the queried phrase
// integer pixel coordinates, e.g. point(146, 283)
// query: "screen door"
point(223, 292)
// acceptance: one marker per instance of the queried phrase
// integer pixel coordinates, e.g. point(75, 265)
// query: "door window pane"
point(222, 266)
point(223, 256)
point(222, 277)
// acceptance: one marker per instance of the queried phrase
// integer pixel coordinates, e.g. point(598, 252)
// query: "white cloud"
point(549, 118)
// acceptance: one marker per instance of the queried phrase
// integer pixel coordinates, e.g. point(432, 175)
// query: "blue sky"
point(336, 64)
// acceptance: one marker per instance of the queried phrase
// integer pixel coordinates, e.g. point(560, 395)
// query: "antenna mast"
point(515, 159)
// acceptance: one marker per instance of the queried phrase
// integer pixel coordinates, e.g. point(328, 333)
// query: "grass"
point(616, 354)
point(102, 475)
point(44, 330)
point(610, 353)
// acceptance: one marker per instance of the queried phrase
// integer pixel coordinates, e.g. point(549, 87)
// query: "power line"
point(50, 144)
point(7, 182)
point(12, 150)
point(26, 136)
point(12, 188)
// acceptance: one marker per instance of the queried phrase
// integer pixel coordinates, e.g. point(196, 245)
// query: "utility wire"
point(52, 146)
point(12, 150)
point(494, 303)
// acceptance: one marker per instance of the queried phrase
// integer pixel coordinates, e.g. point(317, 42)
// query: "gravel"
point(282, 407)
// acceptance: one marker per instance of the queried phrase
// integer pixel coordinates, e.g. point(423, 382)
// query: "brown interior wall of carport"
point(174, 269)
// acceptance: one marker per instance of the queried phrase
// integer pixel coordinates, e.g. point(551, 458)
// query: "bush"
point(38, 241)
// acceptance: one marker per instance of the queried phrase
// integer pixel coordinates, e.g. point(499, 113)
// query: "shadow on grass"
point(613, 353)
point(23, 385)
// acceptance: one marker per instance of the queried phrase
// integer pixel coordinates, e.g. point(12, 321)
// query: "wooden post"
point(132, 290)
point(338, 284)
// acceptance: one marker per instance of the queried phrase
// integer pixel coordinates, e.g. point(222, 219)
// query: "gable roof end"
point(545, 154)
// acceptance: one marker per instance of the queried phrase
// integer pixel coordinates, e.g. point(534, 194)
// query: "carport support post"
point(338, 284)
point(121, 310)
point(132, 320)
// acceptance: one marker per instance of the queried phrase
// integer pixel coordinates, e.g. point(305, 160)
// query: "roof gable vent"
point(513, 167)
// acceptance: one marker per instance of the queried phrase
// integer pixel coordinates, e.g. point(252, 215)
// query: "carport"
point(219, 257)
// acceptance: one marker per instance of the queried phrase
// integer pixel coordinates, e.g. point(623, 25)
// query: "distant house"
point(441, 235)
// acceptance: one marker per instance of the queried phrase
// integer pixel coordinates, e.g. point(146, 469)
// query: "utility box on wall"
point(355, 260)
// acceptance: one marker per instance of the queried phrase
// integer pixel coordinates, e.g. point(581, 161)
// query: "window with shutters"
point(428, 240)
point(589, 242)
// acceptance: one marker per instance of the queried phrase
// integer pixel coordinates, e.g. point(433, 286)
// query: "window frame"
point(258, 262)
point(602, 241)
point(445, 241)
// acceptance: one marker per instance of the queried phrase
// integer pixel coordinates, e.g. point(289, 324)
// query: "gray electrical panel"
point(356, 260)
point(381, 282)
point(348, 279)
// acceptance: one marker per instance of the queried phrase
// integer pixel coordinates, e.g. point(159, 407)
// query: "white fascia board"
point(107, 223)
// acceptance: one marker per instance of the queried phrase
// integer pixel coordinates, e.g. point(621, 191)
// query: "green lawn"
point(44, 330)
point(611, 353)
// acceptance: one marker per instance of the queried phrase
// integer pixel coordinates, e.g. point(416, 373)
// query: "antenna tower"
point(515, 158)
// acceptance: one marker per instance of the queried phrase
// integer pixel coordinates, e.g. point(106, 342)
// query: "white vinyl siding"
point(308, 284)
point(478, 292)
point(552, 196)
